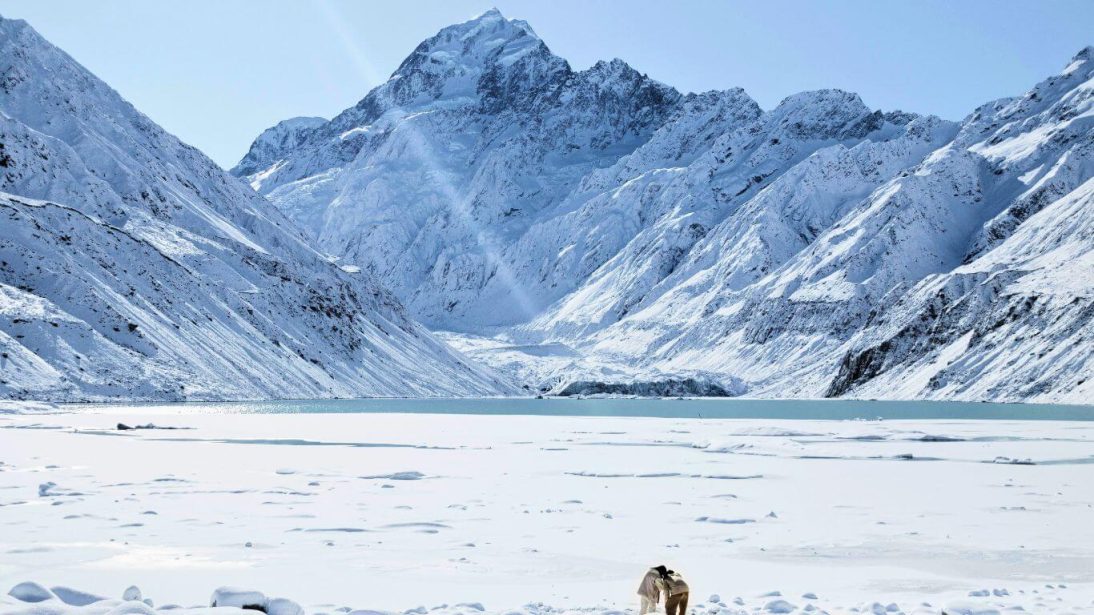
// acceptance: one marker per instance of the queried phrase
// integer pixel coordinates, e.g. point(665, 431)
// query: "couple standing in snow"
point(660, 580)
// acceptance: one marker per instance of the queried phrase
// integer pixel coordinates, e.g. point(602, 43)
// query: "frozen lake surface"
point(710, 408)
point(391, 505)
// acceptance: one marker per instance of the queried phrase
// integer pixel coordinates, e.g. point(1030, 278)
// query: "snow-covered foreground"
point(396, 511)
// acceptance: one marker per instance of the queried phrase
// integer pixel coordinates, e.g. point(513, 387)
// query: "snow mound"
point(239, 598)
point(75, 597)
point(28, 591)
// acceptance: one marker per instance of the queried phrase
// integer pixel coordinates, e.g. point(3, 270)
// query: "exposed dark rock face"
point(688, 387)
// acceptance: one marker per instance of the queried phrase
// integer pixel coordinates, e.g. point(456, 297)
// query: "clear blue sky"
point(217, 72)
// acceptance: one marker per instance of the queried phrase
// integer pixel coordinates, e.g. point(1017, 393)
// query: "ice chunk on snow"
point(239, 598)
point(779, 606)
point(75, 597)
point(30, 592)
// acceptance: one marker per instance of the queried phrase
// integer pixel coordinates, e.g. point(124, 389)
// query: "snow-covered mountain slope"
point(1016, 318)
point(968, 275)
point(131, 266)
point(600, 226)
point(759, 195)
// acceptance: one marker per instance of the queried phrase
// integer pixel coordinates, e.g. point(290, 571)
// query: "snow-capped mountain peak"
point(1081, 59)
point(458, 60)
point(276, 142)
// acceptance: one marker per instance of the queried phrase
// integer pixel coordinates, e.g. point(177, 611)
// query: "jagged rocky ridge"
point(686, 387)
point(599, 226)
point(132, 267)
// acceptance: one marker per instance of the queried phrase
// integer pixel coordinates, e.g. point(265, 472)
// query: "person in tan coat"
point(676, 593)
point(649, 591)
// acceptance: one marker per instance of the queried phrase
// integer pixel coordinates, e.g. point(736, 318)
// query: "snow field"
point(389, 512)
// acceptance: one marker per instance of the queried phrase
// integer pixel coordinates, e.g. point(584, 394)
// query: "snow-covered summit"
point(460, 60)
point(479, 118)
point(276, 142)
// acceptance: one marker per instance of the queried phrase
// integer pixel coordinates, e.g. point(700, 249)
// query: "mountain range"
point(556, 231)
point(584, 229)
